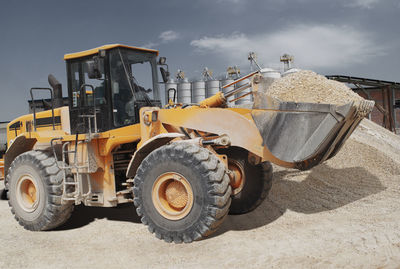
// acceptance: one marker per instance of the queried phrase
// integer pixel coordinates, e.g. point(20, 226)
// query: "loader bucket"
point(306, 134)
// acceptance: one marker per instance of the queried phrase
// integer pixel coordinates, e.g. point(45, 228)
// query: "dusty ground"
point(344, 213)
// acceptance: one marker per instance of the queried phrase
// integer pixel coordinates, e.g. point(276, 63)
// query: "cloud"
point(168, 36)
point(164, 37)
point(150, 45)
point(312, 46)
point(366, 4)
point(229, 1)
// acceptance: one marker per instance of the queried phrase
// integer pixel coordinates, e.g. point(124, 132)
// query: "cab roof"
point(104, 47)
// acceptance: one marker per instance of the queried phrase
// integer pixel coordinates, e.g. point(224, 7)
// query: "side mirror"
point(93, 68)
point(165, 74)
point(162, 61)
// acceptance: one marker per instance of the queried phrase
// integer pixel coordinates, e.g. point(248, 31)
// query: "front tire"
point(182, 192)
point(35, 187)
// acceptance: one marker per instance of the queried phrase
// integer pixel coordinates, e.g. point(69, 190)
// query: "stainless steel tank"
point(228, 89)
point(212, 87)
point(184, 92)
point(247, 99)
point(226, 82)
point(171, 84)
point(198, 91)
point(270, 73)
point(270, 76)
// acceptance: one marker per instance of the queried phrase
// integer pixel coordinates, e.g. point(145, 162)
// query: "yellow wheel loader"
point(184, 166)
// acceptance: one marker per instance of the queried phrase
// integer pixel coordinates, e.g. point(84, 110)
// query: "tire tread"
point(217, 182)
point(55, 213)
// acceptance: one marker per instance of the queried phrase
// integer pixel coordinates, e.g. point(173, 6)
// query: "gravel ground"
point(343, 213)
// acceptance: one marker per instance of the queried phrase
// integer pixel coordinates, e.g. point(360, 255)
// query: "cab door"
point(89, 106)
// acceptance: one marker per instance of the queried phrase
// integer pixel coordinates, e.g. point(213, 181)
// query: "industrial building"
point(386, 95)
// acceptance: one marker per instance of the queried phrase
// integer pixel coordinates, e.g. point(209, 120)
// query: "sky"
point(335, 37)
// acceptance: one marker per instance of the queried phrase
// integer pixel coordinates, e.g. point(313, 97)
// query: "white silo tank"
point(227, 89)
point(247, 99)
point(184, 92)
point(171, 84)
point(198, 91)
point(270, 73)
point(269, 76)
point(212, 87)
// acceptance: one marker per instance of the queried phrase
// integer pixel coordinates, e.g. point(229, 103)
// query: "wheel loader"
point(184, 166)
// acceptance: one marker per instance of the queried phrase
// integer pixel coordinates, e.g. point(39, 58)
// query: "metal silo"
point(171, 84)
point(247, 99)
point(184, 92)
point(198, 91)
point(226, 82)
point(212, 87)
point(227, 89)
point(270, 73)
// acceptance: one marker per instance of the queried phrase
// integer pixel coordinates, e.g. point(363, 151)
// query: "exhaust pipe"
point(57, 90)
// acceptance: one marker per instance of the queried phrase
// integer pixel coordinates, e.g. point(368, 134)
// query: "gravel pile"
point(309, 87)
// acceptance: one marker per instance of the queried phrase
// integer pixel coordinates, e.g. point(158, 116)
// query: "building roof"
point(364, 81)
point(104, 47)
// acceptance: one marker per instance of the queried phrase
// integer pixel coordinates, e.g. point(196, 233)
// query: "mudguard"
point(150, 145)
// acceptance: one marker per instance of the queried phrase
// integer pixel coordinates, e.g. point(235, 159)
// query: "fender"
point(20, 145)
point(150, 145)
point(236, 123)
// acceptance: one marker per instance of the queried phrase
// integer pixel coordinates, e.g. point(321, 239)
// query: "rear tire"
point(35, 187)
point(199, 178)
point(257, 182)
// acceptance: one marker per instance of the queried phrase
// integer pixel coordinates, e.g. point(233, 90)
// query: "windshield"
point(132, 77)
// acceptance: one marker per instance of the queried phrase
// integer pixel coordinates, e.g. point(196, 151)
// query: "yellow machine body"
point(236, 122)
point(101, 153)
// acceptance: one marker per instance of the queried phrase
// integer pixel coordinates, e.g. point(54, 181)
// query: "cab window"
point(86, 95)
point(131, 83)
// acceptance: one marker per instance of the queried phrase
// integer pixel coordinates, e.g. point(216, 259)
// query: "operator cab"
point(111, 82)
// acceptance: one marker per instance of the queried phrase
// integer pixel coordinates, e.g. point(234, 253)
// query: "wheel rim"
point(172, 196)
point(238, 176)
point(27, 195)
